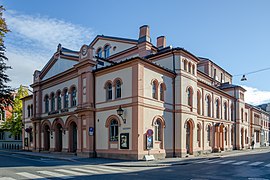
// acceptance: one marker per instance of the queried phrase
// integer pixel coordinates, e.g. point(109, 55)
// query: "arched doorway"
point(46, 138)
point(189, 137)
point(73, 137)
point(58, 137)
point(221, 137)
point(242, 138)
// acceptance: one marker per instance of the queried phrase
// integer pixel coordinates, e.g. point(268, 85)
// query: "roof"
point(26, 97)
point(206, 59)
point(134, 58)
point(168, 49)
point(68, 50)
point(227, 85)
point(112, 37)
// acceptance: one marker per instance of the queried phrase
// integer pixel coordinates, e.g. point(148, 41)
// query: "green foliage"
point(14, 123)
point(5, 90)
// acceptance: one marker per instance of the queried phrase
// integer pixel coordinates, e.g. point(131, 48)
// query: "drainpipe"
point(173, 105)
point(94, 107)
point(235, 102)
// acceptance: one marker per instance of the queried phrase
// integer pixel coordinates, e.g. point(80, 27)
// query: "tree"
point(5, 90)
point(13, 124)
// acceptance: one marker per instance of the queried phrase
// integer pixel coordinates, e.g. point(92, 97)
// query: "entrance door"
point(73, 141)
point(46, 138)
point(189, 139)
point(59, 141)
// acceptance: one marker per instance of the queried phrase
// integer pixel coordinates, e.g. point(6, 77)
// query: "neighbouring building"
point(126, 98)
point(7, 140)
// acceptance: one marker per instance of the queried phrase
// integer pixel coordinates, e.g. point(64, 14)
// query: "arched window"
point(32, 110)
point(109, 91)
point(193, 69)
point(225, 111)
point(217, 108)
point(199, 135)
point(232, 113)
point(106, 51)
point(154, 90)
point(246, 118)
point(73, 97)
point(66, 98)
point(161, 91)
point(232, 136)
point(99, 52)
point(158, 130)
point(46, 104)
point(118, 89)
point(225, 135)
point(208, 106)
point(209, 134)
point(189, 67)
point(114, 130)
point(185, 65)
point(190, 96)
point(28, 110)
point(59, 101)
point(242, 114)
point(198, 103)
point(52, 102)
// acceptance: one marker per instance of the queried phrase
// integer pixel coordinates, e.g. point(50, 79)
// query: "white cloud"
point(255, 96)
point(33, 40)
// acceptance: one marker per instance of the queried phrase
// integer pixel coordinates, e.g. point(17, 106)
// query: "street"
point(16, 166)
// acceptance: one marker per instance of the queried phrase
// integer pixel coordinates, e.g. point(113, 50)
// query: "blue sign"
point(91, 131)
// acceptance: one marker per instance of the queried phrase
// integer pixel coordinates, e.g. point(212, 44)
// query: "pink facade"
point(174, 103)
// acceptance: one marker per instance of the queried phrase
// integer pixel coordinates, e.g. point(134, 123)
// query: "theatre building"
point(126, 98)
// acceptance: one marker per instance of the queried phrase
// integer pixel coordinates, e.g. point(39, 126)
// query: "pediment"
point(56, 66)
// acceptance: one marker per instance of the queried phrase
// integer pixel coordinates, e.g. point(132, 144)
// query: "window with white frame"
point(114, 130)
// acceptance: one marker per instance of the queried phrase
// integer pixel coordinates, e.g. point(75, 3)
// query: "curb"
point(39, 155)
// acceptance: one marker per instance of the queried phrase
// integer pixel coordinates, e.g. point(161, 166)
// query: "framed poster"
point(124, 141)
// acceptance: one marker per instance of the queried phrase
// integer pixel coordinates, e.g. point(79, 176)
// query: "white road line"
point(240, 162)
point(255, 163)
point(54, 174)
point(7, 178)
point(97, 168)
point(30, 176)
point(267, 165)
point(217, 161)
point(227, 162)
point(199, 162)
point(120, 169)
point(71, 172)
point(85, 170)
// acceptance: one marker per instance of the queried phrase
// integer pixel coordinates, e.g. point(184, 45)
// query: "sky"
point(233, 34)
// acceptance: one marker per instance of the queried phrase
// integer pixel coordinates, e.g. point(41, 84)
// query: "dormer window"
point(106, 51)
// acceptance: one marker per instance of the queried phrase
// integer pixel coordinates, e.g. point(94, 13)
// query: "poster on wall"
point(124, 141)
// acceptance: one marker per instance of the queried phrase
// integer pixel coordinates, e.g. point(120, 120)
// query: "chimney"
point(144, 34)
point(161, 42)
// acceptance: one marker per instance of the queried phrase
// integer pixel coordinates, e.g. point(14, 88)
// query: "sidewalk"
point(127, 163)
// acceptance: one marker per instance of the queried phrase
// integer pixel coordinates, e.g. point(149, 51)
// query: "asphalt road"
point(252, 167)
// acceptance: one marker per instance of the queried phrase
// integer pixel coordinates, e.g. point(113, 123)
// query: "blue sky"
point(234, 34)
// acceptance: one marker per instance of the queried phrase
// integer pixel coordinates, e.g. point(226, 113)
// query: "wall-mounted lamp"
point(120, 112)
point(244, 78)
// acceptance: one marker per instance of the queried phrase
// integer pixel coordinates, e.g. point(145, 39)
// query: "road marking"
point(267, 165)
point(7, 178)
point(102, 169)
point(85, 170)
point(30, 176)
point(54, 174)
point(255, 163)
point(119, 169)
point(199, 162)
point(217, 161)
point(227, 162)
point(240, 162)
point(71, 172)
